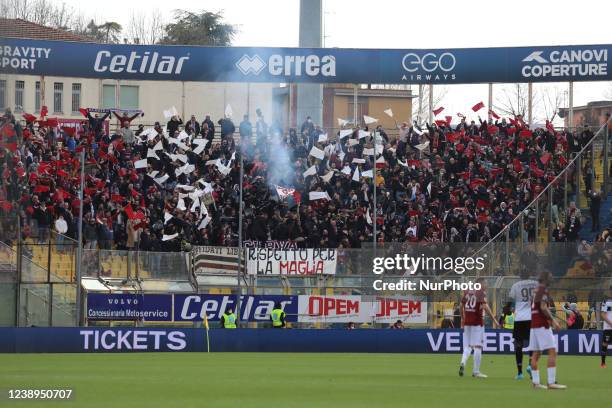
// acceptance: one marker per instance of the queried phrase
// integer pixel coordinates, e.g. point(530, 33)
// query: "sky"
point(407, 24)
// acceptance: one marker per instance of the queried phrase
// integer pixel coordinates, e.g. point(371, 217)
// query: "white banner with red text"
point(361, 309)
point(298, 262)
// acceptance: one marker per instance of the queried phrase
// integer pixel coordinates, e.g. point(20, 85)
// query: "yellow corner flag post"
point(207, 338)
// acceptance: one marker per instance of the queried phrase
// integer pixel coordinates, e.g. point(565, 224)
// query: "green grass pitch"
point(275, 380)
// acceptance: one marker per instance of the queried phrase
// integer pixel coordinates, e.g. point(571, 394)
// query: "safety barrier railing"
point(554, 214)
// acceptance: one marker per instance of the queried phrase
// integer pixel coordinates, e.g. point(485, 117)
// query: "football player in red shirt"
point(541, 336)
point(473, 306)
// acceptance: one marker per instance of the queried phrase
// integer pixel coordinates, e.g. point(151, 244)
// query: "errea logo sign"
point(289, 65)
point(566, 63)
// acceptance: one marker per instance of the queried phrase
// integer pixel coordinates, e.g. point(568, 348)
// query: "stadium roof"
point(18, 28)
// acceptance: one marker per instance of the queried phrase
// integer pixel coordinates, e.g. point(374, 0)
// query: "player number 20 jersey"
point(473, 307)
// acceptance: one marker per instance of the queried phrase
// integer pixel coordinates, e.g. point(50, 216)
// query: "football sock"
point(552, 375)
point(466, 354)
point(603, 352)
point(477, 357)
point(518, 353)
point(535, 374)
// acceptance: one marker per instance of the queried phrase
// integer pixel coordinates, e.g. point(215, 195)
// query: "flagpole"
point(79, 294)
point(240, 220)
point(207, 337)
point(374, 201)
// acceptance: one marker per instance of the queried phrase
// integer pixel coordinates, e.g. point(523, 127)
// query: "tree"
point(203, 28)
point(145, 29)
point(513, 100)
point(111, 30)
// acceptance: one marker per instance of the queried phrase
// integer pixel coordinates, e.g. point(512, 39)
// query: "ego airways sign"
point(429, 62)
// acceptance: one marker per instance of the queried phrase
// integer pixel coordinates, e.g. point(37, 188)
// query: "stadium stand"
point(166, 187)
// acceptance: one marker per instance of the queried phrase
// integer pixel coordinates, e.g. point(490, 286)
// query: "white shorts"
point(473, 336)
point(541, 339)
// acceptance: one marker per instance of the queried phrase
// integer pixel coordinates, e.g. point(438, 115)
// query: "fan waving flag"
point(478, 106)
point(493, 114)
point(438, 111)
point(284, 192)
point(369, 120)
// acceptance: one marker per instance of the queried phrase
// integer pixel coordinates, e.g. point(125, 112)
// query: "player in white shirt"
point(522, 295)
point(606, 316)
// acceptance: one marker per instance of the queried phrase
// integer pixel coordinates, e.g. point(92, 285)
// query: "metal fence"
point(558, 204)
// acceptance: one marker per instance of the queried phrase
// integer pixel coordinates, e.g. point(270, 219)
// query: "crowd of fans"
point(168, 187)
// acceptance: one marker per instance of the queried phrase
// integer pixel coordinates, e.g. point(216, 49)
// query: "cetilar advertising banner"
point(314, 65)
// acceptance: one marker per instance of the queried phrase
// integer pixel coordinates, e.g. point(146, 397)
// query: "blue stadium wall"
point(85, 339)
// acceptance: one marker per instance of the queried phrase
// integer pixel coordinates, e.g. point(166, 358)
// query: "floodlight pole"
point(79, 293)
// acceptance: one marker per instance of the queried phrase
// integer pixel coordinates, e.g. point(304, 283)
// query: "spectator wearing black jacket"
point(173, 125)
point(96, 123)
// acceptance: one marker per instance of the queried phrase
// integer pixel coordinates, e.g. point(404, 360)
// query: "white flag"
point(185, 187)
point(312, 170)
point(183, 146)
point(356, 174)
point(369, 120)
point(368, 218)
point(353, 142)
point(346, 170)
point(202, 143)
point(422, 146)
point(183, 135)
point(153, 173)
point(170, 113)
point(181, 205)
point(318, 195)
point(316, 152)
point(358, 161)
point(167, 217)
point(205, 221)
point(195, 205)
point(322, 138)
point(161, 180)
point(327, 177)
point(389, 112)
point(342, 122)
point(417, 130)
point(368, 152)
point(158, 146)
point(367, 173)
point(228, 111)
point(363, 133)
point(151, 153)
point(401, 163)
point(140, 164)
point(429, 188)
point(169, 237)
point(345, 132)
